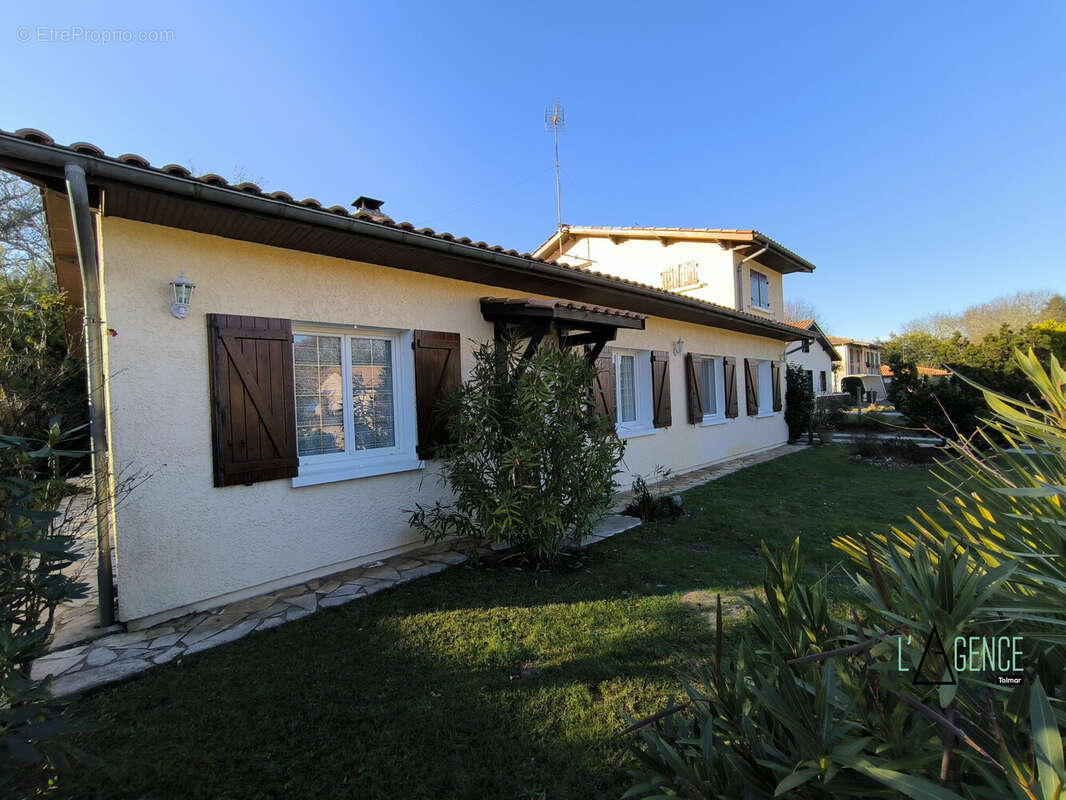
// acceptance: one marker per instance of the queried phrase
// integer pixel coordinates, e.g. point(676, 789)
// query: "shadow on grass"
point(362, 701)
point(473, 683)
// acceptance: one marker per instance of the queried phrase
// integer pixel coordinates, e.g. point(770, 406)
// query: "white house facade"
point(282, 426)
point(816, 358)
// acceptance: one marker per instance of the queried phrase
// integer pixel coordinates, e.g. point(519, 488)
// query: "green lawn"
point(410, 693)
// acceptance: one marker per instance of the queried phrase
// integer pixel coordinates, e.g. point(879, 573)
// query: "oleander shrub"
point(530, 463)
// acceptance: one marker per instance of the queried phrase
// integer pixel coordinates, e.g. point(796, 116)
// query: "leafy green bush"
point(799, 402)
point(854, 387)
point(956, 404)
point(818, 706)
point(829, 412)
point(652, 506)
point(530, 462)
point(897, 448)
point(38, 379)
point(33, 552)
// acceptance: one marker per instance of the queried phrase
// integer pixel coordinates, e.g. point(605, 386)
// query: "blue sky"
point(914, 153)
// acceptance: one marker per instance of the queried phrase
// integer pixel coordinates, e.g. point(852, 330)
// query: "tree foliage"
point(1017, 311)
point(531, 463)
point(23, 235)
point(38, 378)
point(945, 406)
point(800, 310)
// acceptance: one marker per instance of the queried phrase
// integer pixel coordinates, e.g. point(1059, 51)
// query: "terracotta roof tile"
point(177, 170)
point(923, 371)
point(135, 160)
point(87, 149)
point(34, 135)
point(536, 302)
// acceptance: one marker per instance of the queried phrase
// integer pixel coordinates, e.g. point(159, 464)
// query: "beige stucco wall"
point(181, 542)
point(644, 260)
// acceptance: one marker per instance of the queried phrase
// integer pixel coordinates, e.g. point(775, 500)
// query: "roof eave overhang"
point(778, 258)
point(146, 195)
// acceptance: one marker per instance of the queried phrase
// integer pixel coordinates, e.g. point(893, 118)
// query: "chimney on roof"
point(368, 205)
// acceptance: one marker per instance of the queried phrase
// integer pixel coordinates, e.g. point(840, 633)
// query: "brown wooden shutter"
point(437, 374)
point(729, 368)
point(604, 389)
point(253, 406)
point(775, 376)
point(662, 414)
point(694, 387)
point(751, 387)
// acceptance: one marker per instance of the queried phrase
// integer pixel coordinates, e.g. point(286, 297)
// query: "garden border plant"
point(36, 546)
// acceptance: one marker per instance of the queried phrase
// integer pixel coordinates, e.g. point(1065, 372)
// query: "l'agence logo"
point(1000, 656)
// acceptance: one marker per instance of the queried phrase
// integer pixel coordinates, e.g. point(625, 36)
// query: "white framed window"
point(712, 389)
point(632, 378)
point(760, 291)
point(765, 375)
point(355, 411)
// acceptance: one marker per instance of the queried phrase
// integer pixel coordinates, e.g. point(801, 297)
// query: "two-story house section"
point(739, 269)
point(859, 359)
point(818, 358)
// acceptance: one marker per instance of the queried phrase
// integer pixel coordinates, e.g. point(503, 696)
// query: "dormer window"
point(760, 291)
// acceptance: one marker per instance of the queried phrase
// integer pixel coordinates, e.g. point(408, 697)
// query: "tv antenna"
point(555, 121)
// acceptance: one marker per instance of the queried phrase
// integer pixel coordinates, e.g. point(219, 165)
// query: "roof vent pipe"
point(372, 207)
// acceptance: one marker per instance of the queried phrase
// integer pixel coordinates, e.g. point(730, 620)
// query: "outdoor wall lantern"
point(182, 287)
point(679, 347)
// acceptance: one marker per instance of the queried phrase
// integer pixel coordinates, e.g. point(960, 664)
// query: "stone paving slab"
point(120, 655)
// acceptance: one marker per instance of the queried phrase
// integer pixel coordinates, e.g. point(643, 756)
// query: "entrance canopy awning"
point(576, 323)
point(564, 313)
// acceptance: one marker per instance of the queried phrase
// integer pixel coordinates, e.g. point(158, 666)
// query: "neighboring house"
point(816, 358)
point(285, 425)
point(934, 374)
point(859, 359)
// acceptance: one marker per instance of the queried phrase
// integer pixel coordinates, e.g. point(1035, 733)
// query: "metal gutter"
point(85, 238)
point(102, 169)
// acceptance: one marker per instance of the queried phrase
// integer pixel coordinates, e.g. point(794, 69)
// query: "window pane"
point(319, 395)
point(760, 290)
point(627, 390)
point(766, 397)
point(372, 400)
point(710, 401)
